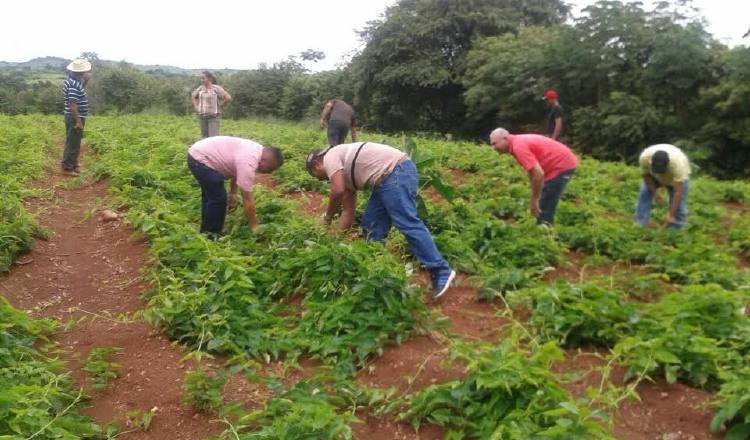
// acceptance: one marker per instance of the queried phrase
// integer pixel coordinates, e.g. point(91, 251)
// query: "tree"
point(409, 74)
point(726, 132)
point(618, 127)
point(505, 76)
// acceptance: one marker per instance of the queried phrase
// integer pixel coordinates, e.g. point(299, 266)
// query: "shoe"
point(441, 282)
point(65, 172)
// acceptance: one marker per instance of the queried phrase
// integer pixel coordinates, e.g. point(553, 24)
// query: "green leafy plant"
point(202, 388)
point(509, 392)
point(101, 370)
point(38, 399)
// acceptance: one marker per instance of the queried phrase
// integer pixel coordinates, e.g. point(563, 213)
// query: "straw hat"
point(79, 65)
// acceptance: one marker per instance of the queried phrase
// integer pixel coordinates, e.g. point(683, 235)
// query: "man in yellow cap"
point(75, 111)
point(664, 165)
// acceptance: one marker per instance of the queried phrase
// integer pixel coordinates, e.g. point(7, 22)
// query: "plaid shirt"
point(208, 99)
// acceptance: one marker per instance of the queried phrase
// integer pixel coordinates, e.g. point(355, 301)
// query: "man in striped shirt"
point(76, 109)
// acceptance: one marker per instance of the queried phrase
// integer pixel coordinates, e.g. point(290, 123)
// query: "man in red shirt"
point(549, 164)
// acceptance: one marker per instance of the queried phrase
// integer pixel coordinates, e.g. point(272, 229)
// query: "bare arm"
point(225, 100)
point(324, 114)
point(232, 194)
point(248, 205)
point(650, 183)
point(558, 128)
point(196, 101)
point(76, 115)
point(536, 178)
point(338, 191)
point(679, 191)
point(347, 213)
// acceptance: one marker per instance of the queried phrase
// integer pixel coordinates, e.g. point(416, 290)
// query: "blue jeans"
point(73, 138)
point(645, 199)
point(394, 202)
point(550, 197)
point(213, 196)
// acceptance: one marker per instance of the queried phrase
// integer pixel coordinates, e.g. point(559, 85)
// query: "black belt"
point(354, 162)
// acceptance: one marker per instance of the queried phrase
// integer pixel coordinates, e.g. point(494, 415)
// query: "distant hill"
point(56, 64)
point(37, 64)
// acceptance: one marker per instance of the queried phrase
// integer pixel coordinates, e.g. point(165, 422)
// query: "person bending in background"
point(548, 163)
point(215, 159)
point(75, 111)
point(664, 165)
point(340, 118)
point(393, 179)
point(209, 100)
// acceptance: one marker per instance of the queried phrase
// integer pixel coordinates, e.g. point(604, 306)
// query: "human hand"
point(232, 202)
point(79, 125)
point(536, 211)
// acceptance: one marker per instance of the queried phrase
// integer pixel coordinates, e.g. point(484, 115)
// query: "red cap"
point(550, 94)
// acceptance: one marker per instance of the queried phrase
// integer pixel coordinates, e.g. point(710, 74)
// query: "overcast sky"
point(222, 33)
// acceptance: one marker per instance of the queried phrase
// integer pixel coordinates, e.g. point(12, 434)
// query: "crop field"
point(552, 333)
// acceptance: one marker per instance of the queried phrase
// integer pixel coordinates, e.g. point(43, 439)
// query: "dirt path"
point(90, 269)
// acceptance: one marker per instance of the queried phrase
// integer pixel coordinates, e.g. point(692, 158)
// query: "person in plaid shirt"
point(209, 100)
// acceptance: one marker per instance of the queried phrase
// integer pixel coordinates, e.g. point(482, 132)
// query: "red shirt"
point(552, 156)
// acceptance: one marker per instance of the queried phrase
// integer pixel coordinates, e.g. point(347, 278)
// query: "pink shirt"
point(552, 156)
point(233, 157)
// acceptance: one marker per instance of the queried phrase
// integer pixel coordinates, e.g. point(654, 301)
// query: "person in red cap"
point(549, 164)
point(555, 116)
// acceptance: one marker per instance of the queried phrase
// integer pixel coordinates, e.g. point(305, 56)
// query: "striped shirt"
point(208, 99)
point(73, 91)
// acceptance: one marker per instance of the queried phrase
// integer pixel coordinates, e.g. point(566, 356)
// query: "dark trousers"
point(213, 196)
point(73, 138)
point(551, 192)
point(337, 132)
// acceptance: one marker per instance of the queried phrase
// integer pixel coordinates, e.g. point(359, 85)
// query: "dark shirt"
point(556, 111)
point(342, 112)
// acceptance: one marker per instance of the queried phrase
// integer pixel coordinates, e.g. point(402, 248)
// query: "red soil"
point(91, 269)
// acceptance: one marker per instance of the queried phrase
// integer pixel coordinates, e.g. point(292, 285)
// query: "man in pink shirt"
point(549, 164)
point(215, 159)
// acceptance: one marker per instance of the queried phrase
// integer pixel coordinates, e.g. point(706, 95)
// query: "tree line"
point(627, 77)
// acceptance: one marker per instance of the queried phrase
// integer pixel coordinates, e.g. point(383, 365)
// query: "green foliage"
point(501, 90)
point(725, 134)
point(690, 335)
point(577, 315)
point(618, 127)
point(37, 399)
point(509, 392)
point(408, 75)
point(100, 368)
point(202, 388)
point(223, 296)
point(24, 146)
point(734, 405)
point(310, 409)
point(429, 176)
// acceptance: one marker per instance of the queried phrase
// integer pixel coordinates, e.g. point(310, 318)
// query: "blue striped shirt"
point(73, 91)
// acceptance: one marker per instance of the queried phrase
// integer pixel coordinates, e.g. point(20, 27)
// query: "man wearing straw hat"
point(76, 109)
